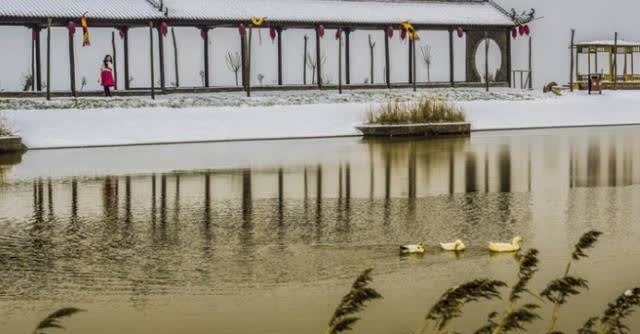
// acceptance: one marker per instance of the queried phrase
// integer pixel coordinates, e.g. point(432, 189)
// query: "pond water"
point(265, 237)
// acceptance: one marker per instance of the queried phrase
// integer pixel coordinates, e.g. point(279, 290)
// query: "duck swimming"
point(456, 246)
point(499, 247)
point(412, 249)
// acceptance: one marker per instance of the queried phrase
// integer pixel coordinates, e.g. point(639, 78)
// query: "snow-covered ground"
point(295, 115)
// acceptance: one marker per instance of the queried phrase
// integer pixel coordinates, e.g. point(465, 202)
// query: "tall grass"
point(429, 109)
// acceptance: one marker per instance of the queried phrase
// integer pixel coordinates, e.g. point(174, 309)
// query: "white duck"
point(456, 246)
point(412, 249)
point(500, 247)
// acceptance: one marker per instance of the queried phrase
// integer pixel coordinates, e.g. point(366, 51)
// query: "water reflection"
point(234, 230)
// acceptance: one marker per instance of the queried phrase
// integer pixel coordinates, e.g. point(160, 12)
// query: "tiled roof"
point(103, 9)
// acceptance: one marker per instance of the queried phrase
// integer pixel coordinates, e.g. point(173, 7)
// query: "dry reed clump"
point(430, 109)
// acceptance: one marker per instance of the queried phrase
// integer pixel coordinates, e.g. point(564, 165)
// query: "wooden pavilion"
point(476, 19)
point(612, 74)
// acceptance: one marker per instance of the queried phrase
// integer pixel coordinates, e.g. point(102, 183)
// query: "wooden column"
point(126, 57)
point(38, 76)
point(205, 47)
point(615, 61)
point(571, 48)
point(33, 61)
point(49, 59)
point(115, 60)
point(176, 63)
point(243, 60)
point(279, 32)
point(72, 66)
point(387, 62)
point(248, 68)
point(347, 55)
point(451, 59)
point(410, 47)
point(509, 61)
point(414, 65)
point(153, 76)
point(530, 63)
point(486, 60)
point(339, 62)
point(161, 59)
point(318, 59)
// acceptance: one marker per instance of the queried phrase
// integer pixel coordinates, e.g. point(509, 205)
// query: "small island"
point(431, 116)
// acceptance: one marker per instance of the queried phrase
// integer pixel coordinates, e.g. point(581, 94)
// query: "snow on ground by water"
point(255, 120)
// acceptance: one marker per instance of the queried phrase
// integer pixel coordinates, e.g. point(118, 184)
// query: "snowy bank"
point(161, 124)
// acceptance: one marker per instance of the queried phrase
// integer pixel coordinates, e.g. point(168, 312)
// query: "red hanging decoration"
point(514, 33)
point(164, 28)
point(389, 31)
point(338, 33)
point(122, 31)
point(203, 32)
point(403, 34)
point(71, 26)
point(320, 30)
point(273, 33)
point(527, 31)
point(242, 29)
point(86, 41)
point(34, 34)
point(460, 32)
point(521, 30)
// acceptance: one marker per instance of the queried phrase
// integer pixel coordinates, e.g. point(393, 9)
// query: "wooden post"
point(530, 64)
point(206, 56)
point(243, 60)
point(571, 48)
point(279, 32)
point(49, 59)
point(38, 60)
point(161, 59)
point(126, 57)
point(510, 79)
point(72, 66)
point(249, 42)
point(486, 60)
point(451, 59)
point(304, 65)
point(410, 47)
point(115, 60)
point(615, 61)
point(33, 62)
point(347, 55)
point(413, 65)
point(632, 69)
point(153, 77)
point(387, 62)
point(175, 57)
point(318, 59)
point(339, 61)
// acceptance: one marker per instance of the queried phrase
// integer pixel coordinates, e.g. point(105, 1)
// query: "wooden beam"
point(161, 59)
point(387, 62)
point(72, 66)
point(571, 48)
point(38, 76)
point(279, 32)
point(49, 59)
point(126, 57)
point(347, 55)
point(318, 59)
point(205, 46)
point(451, 59)
point(153, 77)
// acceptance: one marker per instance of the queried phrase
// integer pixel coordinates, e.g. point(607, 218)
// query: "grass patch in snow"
point(429, 109)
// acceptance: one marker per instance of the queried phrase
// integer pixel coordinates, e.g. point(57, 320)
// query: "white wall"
point(593, 19)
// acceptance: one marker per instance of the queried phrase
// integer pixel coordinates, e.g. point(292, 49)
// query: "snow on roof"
point(611, 42)
point(467, 12)
point(103, 9)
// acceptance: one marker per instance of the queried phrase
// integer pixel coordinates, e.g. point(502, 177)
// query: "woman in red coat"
point(106, 75)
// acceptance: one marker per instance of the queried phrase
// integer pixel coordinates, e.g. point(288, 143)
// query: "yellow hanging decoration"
point(411, 31)
point(258, 21)
point(85, 30)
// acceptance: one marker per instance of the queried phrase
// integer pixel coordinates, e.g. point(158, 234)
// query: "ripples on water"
point(281, 243)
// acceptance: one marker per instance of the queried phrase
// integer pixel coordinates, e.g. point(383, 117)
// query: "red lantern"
point(338, 33)
point(320, 30)
point(521, 30)
point(273, 33)
point(514, 33)
point(460, 32)
point(203, 33)
point(71, 26)
point(164, 28)
point(34, 34)
point(403, 34)
point(242, 29)
point(390, 31)
point(527, 31)
point(122, 31)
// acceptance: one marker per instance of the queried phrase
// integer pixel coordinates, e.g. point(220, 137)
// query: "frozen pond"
point(265, 237)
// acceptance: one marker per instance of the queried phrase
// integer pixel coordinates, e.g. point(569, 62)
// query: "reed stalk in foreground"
point(450, 304)
point(558, 290)
point(344, 316)
point(53, 320)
